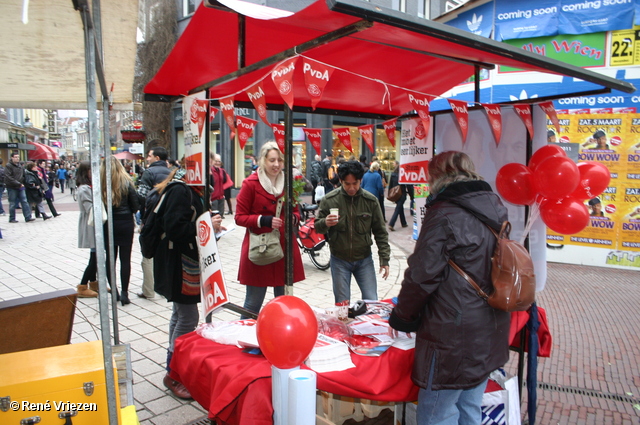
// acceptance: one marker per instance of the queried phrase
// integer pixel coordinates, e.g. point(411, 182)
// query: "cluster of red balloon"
point(556, 185)
point(287, 330)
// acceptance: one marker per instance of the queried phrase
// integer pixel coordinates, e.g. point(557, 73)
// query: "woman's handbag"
point(394, 193)
point(265, 248)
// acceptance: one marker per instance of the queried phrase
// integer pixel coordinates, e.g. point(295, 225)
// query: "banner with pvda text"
point(213, 289)
point(194, 114)
point(416, 149)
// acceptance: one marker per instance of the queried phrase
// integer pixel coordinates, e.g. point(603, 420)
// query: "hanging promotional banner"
point(459, 108)
point(420, 103)
point(524, 112)
point(315, 138)
point(494, 113)
point(523, 19)
point(256, 96)
point(550, 110)
point(245, 129)
point(278, 133)
point(228, 112)
point(344, 135)
point(213, 290)
point(366, 131)
point(282, 76)
point(390, 129)
point(581, 17)
point(478, 21)
point(194, 114)
point(416, 149)
point(316, 77)
point(212, 113)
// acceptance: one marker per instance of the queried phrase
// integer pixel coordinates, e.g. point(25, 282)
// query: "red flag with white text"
point(524, 111)
point(550, 110)
point(420, 103)
point(366, 131)
point(212, 113)
point(459, 108)
point(315, 138)
point(257, 97)
point(282, 76)
point(495, 119)
point(316, 77)
point(278, 133)
point(344, 135)
point(245, 129)
point(228, 112)
point(390, 129)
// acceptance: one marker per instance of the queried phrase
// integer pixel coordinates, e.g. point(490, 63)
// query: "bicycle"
point(310, 241)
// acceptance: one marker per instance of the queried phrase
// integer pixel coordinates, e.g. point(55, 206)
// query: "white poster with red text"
point(194, 114)
point(213, 290)
point(416, 149)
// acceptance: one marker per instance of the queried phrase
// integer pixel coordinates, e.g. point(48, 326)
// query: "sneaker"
point(2, 214)
point(176, 388)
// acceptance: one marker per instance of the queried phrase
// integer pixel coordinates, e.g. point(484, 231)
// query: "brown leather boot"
point(94, 287)
point(85, 292)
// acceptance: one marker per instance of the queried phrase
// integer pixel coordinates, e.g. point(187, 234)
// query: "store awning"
point(42, 151)
point(377, 54)
point(43, 62)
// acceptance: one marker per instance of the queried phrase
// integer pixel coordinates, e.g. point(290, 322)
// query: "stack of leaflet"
point(329, 355)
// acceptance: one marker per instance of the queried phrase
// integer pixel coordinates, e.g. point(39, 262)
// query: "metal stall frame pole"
point(288, 207)
point(90, 69)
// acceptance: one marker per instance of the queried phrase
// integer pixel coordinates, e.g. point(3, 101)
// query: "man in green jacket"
point(349, 233)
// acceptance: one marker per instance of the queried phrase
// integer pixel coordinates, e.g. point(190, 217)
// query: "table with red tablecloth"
point(235, 387)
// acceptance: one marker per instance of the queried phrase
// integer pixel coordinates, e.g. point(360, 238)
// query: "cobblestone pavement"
point(592, 376)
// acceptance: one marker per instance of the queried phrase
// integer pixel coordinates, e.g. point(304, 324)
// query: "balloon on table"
point(565, 216)
point(556, 177)
point(287, 330)
point(545, 152)
point(594, 179)
point(514, 183)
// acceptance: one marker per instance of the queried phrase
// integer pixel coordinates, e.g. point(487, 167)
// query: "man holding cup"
point(349, 216)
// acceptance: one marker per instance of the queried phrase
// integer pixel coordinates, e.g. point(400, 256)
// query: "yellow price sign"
point(623, 48)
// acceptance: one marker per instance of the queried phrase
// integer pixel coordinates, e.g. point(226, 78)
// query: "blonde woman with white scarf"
point(256, 210)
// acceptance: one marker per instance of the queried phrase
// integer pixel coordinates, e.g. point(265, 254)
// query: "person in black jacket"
point(124, 204)
point(33, 185)
point(14, 182)
point(399, 211)
point(460, 339)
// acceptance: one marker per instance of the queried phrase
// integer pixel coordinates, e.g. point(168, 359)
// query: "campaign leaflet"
point(213, 289)
point(194, 114)
point(416, 149)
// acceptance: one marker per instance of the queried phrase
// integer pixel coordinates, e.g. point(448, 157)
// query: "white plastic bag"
point(319, 193)
point(502, 407)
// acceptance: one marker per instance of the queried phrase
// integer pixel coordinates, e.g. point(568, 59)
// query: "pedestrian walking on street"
point(14, 182)
point(47, 186)
point(124, 204)
point(460, 338)
point(2, 213)
point(35, 192)
point(62, 177)
point(86, 234)
point(399, 210)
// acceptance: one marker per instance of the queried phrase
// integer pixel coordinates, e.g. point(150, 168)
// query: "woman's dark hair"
point(30, 165)
point(83, 175)
point(598, 134)
point(351, 167)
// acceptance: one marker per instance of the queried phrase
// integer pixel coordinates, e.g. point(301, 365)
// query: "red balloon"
point(515, 184)
point(547, 151)
point(556, 177)
point(287, 330)
point(594, 179)
point(565, 216)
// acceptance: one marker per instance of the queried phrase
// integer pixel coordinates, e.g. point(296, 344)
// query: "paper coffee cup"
point(334, 211)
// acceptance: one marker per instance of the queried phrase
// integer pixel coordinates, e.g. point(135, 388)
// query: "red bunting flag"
point(524, 111)
point(257, 97)
point(495, 119)
point(550, 110)
point(212, 113)
point(245, 129)
point(420, 103)
point(282, 76)
point(228, 112)
point(344, 135)
point(278, 133)
point(198, 113)
point(316, 77)
point(366, 131)
point(459, 108)
point(315, 138)
point(390, 129)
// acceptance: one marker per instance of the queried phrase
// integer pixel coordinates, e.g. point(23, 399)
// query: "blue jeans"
point(184, 319)
point(450, 407)
point(18, 195)
point(364, 273)
point(1, 193)
point(255, 296)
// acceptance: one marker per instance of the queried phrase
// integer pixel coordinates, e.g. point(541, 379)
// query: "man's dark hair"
point(40, 161)
point(351, 167)
point(598, 134)
point(594, 201)
point(550, 133)
point(160, 152)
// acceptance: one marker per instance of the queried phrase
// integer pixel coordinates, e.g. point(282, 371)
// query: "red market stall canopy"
point(377, 56)
point(42, 151)
point(128, 155)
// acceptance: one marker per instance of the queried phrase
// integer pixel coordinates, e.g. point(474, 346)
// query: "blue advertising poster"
point(581, 17)
point(636, 21)
point(526, 19)
point(478, 21)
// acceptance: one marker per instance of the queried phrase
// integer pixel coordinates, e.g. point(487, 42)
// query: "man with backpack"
point(156, 172)
point(328, 173)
